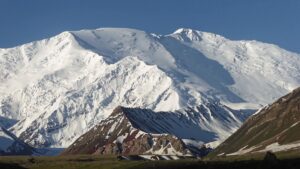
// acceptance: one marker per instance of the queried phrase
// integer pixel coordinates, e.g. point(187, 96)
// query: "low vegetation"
point(112, 162)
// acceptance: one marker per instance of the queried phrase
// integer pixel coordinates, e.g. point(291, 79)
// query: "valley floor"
point(111, 162)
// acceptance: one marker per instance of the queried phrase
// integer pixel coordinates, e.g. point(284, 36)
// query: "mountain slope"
point(128, 131)
point(118, 135)
point(274, 128)
point(141, 131)
point(61, 87)
point(11, 145)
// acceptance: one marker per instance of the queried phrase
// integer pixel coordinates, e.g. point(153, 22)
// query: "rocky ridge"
point(274, 128)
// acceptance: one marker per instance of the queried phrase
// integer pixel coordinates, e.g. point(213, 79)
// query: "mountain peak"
point(183, 30)
point(189, 34)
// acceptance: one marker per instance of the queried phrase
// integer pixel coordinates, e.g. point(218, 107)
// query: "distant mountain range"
point(55, 90)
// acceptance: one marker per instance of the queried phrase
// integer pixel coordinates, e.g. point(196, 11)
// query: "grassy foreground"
point(65, 162)
point(111, 162)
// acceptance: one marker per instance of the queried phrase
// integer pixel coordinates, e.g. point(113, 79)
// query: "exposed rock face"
point(165, 144)
point(274, 128)
point(122, 133)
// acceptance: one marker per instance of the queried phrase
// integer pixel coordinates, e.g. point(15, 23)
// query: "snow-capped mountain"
point(274, 128)
point(59, 88)
point(11, 145)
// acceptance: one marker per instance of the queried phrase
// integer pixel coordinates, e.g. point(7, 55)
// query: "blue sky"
point(272, 21)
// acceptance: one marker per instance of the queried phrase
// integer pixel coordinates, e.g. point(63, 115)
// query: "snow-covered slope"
point(59, 88)
point(256, 72)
